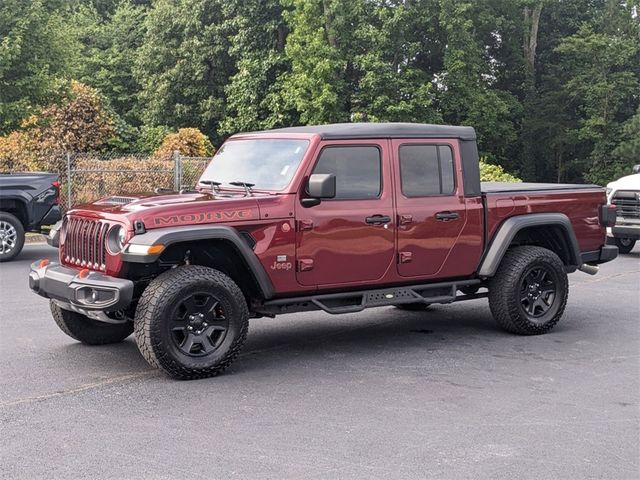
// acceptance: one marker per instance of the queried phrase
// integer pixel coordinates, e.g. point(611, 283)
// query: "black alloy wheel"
point(538, 291)
point(198, 325)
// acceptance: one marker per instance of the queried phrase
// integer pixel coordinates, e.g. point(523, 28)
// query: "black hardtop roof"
point(379, 130)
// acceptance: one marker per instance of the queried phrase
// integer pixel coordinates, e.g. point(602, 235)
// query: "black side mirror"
point(320, 185)
point(636, 169)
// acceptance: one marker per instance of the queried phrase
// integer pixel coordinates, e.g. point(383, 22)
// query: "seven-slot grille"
point(627, 203)
point(85, 243)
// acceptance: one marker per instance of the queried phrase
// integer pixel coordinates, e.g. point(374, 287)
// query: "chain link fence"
point(86, 178)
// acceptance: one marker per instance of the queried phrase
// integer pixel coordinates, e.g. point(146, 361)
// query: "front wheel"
point(89, 331)
point(191, 321)
point(625, 245)
point(529, 292)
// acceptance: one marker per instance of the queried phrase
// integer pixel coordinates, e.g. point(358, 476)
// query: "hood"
point(630, 182)
point(157, 211)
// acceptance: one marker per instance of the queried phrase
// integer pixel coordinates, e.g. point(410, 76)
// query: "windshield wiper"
point(215, 186)
point(247, 186)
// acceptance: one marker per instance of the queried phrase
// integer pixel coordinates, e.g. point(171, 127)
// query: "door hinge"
point(405, 219)
point(304, 225)
point(305, 265)
point(404, 257)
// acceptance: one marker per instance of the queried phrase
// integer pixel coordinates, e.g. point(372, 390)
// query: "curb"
point(35, 239)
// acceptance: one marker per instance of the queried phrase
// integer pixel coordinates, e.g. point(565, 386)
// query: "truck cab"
point(336, 217)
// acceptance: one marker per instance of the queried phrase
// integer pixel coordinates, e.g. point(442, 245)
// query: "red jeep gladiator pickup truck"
point(334, 217)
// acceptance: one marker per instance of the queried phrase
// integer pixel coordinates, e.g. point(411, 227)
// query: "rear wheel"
point(191, 321)
point(11, 236)
point(89, 331)
point(529, 292)
point(625, 245)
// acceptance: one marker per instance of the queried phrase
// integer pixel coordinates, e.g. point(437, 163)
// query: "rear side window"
point(426, 170)
point(357, 170)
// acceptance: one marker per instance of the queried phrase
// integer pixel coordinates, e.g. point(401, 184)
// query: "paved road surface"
point(379, 394)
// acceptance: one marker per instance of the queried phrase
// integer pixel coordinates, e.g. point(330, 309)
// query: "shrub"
point(495, 173)
point(79, 123)
point(150, 138)
point(190, 142)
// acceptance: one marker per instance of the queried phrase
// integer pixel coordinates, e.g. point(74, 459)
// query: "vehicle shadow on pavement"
point(387, 333)
point(274, 344)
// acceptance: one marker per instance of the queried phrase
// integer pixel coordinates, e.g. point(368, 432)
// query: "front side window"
point(268, 163)
point(426, 170)
point(358, 170)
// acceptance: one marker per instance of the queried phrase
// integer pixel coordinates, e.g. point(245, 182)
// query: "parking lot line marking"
point(81, 388)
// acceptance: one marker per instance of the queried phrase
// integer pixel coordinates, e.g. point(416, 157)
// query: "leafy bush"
point(150, 138)
point(190, 142)
point(79, 123)
point(495, 173)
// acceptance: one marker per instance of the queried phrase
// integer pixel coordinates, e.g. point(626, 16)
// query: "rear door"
point(351, 238)
point(431, 210)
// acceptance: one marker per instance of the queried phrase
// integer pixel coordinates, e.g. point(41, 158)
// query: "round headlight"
point(116, 239)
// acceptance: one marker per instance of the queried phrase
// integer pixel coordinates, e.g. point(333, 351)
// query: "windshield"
point(268, 163)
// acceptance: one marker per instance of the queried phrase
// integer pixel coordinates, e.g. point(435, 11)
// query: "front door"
point(430, 206)
point(351, 238)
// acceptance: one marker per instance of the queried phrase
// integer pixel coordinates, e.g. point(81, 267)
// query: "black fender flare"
point(511, 226)
point(171, 235)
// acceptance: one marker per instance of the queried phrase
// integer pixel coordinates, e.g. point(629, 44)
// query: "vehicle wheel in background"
point(89, 331)
point(625, 245)
point(11, 236)
point(191, 321)
point(528, 293)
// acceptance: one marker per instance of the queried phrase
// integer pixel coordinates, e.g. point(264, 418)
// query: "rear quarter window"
point(426, 170)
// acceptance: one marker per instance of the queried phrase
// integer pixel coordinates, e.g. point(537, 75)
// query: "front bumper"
point(93, 293)
point(605, 254)
point(626, 231)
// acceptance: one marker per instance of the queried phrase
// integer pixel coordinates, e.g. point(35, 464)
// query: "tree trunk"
point(328, 20)
point(530, 41)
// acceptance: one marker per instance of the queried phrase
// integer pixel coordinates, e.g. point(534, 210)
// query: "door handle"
point(446, 216)
point(378, 219)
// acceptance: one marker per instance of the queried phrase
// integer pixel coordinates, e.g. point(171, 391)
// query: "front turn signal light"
point(134, 249)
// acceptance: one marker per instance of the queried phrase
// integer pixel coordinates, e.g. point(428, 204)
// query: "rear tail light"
point(56, 185)
point(608, 215)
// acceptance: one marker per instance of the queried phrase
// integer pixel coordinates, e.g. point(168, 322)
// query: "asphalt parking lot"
point(379, 394)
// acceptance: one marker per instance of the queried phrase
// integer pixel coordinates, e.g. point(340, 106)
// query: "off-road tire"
point(412, 307)
point(16, 224)
point(505, 290)
point(152, 323)
point(89, 331)
point(625, 245)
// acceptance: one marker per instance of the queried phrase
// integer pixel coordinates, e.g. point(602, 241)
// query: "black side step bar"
point(350, 302)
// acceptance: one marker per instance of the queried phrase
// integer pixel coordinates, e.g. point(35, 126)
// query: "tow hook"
point(590, 269)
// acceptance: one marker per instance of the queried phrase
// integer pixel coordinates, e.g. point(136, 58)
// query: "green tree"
point(37, 54)
point(466, 93)
point(254, 94)
point(394, 64)
point(110, 45)
point(183, 65)
point(603, 88)
point(316, 86)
